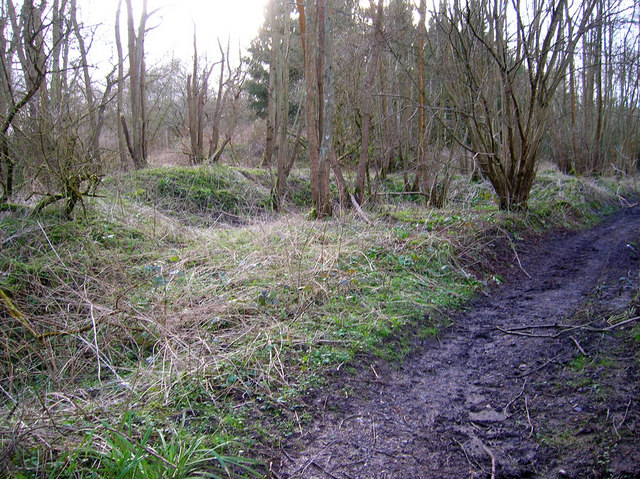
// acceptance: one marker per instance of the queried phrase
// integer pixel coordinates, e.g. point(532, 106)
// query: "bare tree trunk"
point(272, 114)
point(29, 46)
point(572, 93)
point(326, 102)
point(377, 39)
point(387, 138)
point(422, 174)
point(281, 45)
point(137, 86)
point(630, 92)
point(92, 109)
point(283, 96)
point(57, 22)
point(122, 144)
point(308, 49)
point(8, 162)
point(598, 52)
point(588, 86)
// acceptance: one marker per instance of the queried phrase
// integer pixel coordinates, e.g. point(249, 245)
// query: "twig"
point(543, 326)
point(374, 371)
point(528, 335)
point(465, 453)
point(516, 254)
point(299, 425)
point(401, 193)
point(624, 418)
point(523, 270)
point(9, 396)
point(361, 213)
point(284, 451)
point(526, 406)
point(348, 419)
point(378, 451)
point(15, 312)
point(51, 245)
point(519, 331)
point(273, 473)
point(505, 410)
point(373, 430)
point(493, 459)
point(617, 325)
point(522, 330)
point(623, 201)
point(95, 339)
point(584, 353)
point(46, 410)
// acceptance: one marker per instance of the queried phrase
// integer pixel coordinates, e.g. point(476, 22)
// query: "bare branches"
point(515, 83)
point(197, 88)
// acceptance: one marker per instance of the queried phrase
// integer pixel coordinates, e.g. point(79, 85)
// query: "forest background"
point(437, 116)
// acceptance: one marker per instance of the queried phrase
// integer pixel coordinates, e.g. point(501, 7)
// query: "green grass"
point(134, 452)
point(209, 336)
point(579, 363)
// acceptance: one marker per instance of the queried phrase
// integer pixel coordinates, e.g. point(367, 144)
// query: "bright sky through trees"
point(237, 20)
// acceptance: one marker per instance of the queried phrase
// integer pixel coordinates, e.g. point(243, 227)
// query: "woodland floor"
point(526, 383)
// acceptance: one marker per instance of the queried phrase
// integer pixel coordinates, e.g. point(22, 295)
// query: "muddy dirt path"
point(525, 384)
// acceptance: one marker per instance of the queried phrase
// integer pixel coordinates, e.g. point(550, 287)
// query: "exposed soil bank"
point(527, 383)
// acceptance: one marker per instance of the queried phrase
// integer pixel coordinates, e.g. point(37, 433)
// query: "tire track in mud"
point(483, 403)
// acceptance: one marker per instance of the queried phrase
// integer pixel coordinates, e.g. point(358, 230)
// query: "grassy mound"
point(137, 331)
point(201, 196)
point(207, 195)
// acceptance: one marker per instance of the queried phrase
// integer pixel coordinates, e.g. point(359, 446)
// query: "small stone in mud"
point(487, 416)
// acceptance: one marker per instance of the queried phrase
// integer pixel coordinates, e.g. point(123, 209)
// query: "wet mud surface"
point(538, 379)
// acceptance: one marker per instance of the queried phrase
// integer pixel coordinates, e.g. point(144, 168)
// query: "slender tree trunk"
point(308, 49)
point(122, 143)
point(92, 108)
point(137, 86)
point(57, 22)
point(326, 100)
point(598, 47)
point(588, 82)
point(387, 140)
point(574, 124)
point(282, 61)
point(423, 168)
point(272, 123)
point(377, 39)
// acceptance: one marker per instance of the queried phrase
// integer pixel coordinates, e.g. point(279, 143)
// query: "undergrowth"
point(139, 338)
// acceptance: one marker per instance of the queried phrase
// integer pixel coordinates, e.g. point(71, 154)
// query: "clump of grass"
point(123, 453)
